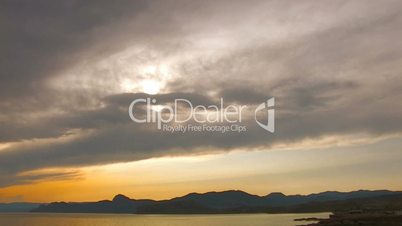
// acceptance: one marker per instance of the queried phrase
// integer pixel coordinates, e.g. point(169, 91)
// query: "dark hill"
point(220, 202)
point(119, 204)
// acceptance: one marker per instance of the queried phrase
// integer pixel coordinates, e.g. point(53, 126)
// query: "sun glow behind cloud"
point(127, 71)
point(151, 80)
point(150, 86)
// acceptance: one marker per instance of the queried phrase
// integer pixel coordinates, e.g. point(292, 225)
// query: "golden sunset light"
point(200, 113)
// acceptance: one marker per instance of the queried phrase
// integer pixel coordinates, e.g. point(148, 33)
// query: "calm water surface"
point(44, 219)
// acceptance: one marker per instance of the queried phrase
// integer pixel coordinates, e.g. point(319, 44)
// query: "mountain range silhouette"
point(233, 201)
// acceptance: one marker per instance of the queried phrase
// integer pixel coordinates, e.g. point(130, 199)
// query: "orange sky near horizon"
point(291, 171)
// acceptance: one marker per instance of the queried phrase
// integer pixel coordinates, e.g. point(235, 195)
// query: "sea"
point(67, 219)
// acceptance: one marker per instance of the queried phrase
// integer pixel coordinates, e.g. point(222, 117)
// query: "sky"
point(70, 69)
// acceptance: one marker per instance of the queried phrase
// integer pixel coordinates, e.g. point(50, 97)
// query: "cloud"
point(38, 176)
point(43, 38)
point(332, 74)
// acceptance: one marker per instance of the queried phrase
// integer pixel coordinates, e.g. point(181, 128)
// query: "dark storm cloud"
point(336, 77)
point(42, 38)
point(113, 112)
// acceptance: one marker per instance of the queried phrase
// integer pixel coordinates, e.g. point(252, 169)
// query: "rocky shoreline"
point(360, 217)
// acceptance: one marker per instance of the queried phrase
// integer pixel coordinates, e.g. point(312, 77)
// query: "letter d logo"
point(269, 104)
